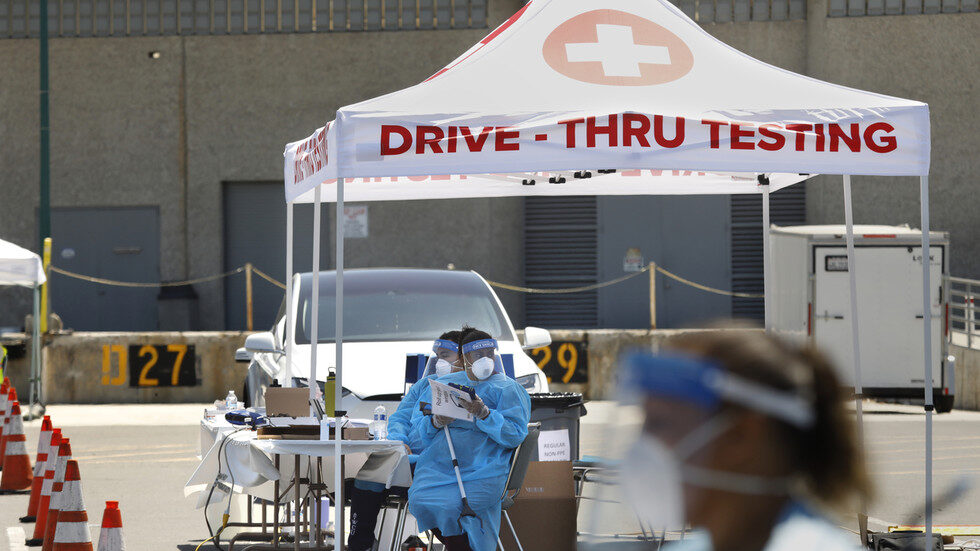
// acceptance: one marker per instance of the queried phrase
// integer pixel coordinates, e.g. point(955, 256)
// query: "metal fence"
point(964, 324)
point(116, 18)
point(858, 8)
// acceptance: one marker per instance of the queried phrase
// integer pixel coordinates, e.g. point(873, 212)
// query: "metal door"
point(255, 231)
point(113, 243)
point(889, 290)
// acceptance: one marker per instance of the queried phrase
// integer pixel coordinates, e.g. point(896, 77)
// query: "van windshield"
point(400, 305)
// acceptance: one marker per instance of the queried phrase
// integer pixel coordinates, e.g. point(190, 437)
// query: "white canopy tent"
point(22, 268)
point(636, 86)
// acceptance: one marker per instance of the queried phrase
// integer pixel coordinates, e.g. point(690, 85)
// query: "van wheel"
point(943, 402)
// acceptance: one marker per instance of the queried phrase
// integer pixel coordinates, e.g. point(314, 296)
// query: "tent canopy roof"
point(617, 84)
point(19, 266)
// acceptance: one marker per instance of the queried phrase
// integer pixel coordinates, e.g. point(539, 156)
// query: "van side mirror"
point(535, 337)
point(262, 342)
point(243, 355)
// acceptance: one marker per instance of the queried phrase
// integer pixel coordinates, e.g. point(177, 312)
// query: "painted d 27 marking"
point(156, 365)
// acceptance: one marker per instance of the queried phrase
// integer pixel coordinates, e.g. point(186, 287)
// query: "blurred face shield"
point(445, 358)
point(481, 359)
point(669, 413)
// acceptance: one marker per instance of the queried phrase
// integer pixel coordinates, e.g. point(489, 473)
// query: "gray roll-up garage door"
point(560, 251)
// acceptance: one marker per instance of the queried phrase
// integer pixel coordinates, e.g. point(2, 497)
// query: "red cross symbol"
point(616, 48)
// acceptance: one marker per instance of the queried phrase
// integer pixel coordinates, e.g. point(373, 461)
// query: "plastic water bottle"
point(231, 401)
point(379, 427)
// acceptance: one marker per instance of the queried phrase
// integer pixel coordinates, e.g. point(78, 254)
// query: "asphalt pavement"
point(141, 455)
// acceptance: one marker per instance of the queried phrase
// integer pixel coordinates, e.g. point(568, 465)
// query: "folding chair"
point(515, 479)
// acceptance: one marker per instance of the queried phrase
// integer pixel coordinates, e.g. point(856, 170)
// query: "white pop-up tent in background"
point(22, 268)
point(568, 86)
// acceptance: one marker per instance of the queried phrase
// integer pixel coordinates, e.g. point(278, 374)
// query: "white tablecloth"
point(248, 462)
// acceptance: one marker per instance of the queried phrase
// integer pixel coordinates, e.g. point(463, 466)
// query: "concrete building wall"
point(129, 130)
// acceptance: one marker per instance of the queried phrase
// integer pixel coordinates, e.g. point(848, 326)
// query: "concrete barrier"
point(967, 377)
point(99, 368)
point(85, 367)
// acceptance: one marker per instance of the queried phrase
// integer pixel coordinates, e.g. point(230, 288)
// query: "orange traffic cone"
point(17, 475)
point(54, 473)
point(72, 533)
point(4, 406)
point(56, 495)
point(110, 539)
point(11, 399)
point(43, 445)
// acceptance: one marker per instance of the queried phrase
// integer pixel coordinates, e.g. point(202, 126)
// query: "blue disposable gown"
point(400, 422)
point(483, 449)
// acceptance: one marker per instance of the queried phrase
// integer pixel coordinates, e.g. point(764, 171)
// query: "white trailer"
point(811, 290)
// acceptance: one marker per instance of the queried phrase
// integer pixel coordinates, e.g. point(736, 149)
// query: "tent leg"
point(339, 386)
point(315, 300)
point(288, 329)
point(35, 353)
point(927, 351)
point(766, 258)
point(855, 325)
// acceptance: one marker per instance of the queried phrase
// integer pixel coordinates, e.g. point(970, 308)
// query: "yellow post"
point(248, 295)
point(653, 295)
point(46, 261)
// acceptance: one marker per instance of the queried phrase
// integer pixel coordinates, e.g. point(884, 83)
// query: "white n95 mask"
point(443, 368)
point(653, 475)
point(483, 367)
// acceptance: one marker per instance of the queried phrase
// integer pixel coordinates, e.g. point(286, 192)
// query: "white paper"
point(553, 445)
point(292, 421)
point(448, 401)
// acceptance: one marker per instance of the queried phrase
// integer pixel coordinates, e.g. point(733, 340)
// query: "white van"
point(812, 300)
point(388, 314)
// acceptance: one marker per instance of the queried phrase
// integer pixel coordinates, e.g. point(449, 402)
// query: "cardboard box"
point(544, 512)
point(289, 402)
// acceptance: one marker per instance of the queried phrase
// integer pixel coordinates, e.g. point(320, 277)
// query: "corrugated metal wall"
point(560, 251)
point(787, 207)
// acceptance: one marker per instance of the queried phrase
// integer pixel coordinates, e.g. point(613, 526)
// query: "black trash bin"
point(556, 411)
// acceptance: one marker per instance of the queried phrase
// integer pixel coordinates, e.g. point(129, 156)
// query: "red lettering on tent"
point(888, 143)
point(800, 130)
point(451, 141)
point(387, 130)
point(658, 132)
point(421, 139)
point(570, 131)
point(737, 134)
point(821, 139)
point(837, 135)
point(715, 132)
point(500, 137)
point(611, 130)
point(778, 140)
point(638, 132)
point(475, 144)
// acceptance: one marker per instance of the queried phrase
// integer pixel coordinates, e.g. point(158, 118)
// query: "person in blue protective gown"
point(483, 448)
point(745, 438)
point(368, 492)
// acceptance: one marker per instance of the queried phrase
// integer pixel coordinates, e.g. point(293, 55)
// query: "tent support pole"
point(766, 256)
point(855, 340)
point(35, 353)
point(315, 301)
point(927, 350)
point(288, 328)
point(339, 386)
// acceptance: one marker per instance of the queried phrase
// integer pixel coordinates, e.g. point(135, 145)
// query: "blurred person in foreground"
point(745, 438)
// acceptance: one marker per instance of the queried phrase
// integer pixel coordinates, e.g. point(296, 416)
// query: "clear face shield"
point(481, 358)
point(657, 439)
point(444, 360)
